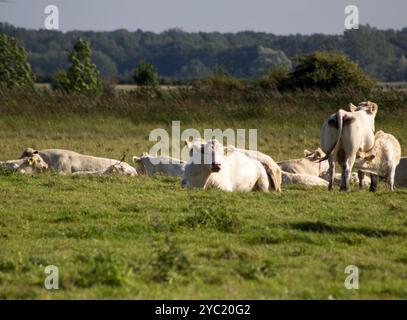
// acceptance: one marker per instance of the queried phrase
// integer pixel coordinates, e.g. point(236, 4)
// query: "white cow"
point(66, 161)
point(308, 165)
point(381, 160)
point(303, 179)
point(27, 165)
point(401, 174)
point(118, 168)
point(271, 167)
point(213, 165)
point(344, 134)
point(167, 166)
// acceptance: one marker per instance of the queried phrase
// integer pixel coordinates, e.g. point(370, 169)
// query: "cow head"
point(316, 156)
point(364, 159)
point(205, 158)
point(33, 164)
point(29, 152)
point(120, 168)
point(370, 108)
point(142, 163)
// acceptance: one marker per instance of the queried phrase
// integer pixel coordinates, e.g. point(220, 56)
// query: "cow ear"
point(373, 107)
point(307, 153)
point(318, 154)
point(352, 107)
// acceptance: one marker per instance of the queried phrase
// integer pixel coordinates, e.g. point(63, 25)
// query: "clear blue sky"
point(276, 16)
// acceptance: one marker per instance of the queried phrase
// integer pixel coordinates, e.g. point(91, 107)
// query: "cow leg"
point(361, 176)
point(390, 178)
point(331, 173)
point(374, 182)
point(346, 172)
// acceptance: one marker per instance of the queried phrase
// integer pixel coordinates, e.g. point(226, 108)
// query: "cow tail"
point(339, 118)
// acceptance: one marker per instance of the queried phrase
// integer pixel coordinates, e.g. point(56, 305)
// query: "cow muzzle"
point(216, 167)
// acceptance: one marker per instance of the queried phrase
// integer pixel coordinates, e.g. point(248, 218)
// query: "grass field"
point(121, 237)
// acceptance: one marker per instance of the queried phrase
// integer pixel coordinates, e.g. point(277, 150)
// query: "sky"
point(276, 16)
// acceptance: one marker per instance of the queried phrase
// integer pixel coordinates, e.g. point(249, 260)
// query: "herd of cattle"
point(347, 137)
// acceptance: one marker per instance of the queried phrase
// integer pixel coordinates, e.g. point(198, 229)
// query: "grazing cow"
point(213, 165)
point(304, 179)
point(66, 161)
point(27, 165)
point(307, 165)
point(380, 161)
point(118, 168)
point(163, 165)
point(271, 167)
point(344, 134)
point(401, 174)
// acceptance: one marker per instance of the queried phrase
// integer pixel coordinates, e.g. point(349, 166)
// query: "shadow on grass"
point(322, 227)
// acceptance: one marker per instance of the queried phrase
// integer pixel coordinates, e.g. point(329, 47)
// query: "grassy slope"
point(119, 237)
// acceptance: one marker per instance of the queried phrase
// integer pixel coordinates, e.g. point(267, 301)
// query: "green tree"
point(146, 74)
point(82, 76)
point(15, 71)
point(327, 71)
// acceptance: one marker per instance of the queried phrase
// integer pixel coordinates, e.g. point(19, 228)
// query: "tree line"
point(176, 54)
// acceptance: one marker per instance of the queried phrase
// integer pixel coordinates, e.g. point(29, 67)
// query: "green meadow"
point(147, 238)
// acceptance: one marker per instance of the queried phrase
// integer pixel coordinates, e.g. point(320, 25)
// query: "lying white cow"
point(344, 134)
point(66, 161)
point(271, 167)
point(118, 168)
point(303, 179)
point(27, 165)
point(163, 165)
point(381, 160)
point(307, 165)
point(401, 174)
point(213, 165)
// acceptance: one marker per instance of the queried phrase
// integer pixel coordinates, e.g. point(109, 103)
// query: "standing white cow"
point(381, 161)
point(213, 165)
point(66, 161)
point(344, 134)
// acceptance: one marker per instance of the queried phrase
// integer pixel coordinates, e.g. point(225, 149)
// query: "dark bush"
point(327, 71)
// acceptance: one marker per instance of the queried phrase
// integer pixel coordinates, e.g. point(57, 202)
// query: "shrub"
point(275, 76)
point(327, 71)
point(15, 71)
point(146, 74)
point(219, 83)
point(82, 76)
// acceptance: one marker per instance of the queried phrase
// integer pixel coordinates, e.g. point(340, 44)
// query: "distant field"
point(120, 237)
point(402, 86)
